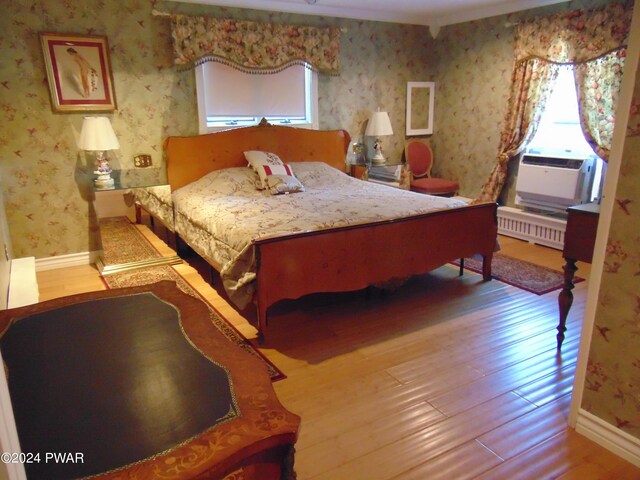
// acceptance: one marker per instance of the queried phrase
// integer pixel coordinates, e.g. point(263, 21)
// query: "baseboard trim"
point(64, 261)
point(610, 437)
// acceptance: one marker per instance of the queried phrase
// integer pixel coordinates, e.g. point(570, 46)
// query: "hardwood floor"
point(444, 378)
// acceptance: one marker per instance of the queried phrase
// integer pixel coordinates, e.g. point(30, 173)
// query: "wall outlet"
point(141, 161)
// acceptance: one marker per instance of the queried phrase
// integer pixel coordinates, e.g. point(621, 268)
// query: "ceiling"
point(434, 13)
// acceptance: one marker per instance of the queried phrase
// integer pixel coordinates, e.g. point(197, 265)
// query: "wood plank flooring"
point(443, 378)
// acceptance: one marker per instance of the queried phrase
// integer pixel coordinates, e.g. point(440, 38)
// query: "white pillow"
point(265, 164)
point(279, 184)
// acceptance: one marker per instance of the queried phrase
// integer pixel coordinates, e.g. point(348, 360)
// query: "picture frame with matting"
point(79, 72)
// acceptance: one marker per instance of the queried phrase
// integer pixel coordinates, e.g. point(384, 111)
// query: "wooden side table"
point(138, 383)
point(579, 240)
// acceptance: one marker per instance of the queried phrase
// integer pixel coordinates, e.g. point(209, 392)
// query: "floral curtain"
point(598, 84)
point(594, 41)
point(530, 90)
point(251, 46)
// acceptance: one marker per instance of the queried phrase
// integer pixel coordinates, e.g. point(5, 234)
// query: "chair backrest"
point(419, 156)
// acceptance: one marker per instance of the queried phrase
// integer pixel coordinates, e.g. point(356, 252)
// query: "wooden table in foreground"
point(579, 240)
point(138, 383)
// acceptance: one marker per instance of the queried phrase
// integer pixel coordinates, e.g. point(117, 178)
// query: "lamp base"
point(104, 182)
point(103, 171)
point(378, 158)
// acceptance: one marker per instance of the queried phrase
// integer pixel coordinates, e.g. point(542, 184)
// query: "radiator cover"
point(534, 228)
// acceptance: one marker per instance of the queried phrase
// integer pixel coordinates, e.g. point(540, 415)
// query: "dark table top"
point(120, 380)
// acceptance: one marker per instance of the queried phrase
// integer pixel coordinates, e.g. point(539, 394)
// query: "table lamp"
point(97, 135)
point(379, 125)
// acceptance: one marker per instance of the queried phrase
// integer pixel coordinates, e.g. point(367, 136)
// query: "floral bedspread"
point(221, 213)
point(156, 200)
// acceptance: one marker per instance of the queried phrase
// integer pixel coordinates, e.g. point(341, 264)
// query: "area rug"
point(131, 245)
point(522, 274)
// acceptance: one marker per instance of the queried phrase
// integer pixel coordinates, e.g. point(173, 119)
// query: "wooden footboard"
point(354, 257)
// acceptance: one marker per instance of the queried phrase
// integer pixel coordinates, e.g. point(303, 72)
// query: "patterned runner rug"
point(519, 273)
point(131, 245)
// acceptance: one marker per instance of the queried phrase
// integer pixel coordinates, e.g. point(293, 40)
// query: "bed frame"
point(337, 259)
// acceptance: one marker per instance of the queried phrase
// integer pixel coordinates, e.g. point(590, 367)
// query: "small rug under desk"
point(521, 274)
point(132, 243)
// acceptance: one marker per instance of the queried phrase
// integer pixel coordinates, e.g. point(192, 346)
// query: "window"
point(228, 97)
point(559, 127)
point(559, 132)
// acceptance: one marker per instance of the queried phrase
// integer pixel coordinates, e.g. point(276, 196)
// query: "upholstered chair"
point(419, 157)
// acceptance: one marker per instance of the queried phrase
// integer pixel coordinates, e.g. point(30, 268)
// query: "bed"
point(261, 259)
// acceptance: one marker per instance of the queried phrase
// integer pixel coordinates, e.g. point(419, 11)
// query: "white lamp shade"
point(97, 135)
point(379, 124)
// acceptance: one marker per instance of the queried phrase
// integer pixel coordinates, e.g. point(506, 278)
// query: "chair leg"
point(461, 267)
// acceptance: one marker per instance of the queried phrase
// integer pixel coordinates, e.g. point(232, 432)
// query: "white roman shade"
point(234, 93)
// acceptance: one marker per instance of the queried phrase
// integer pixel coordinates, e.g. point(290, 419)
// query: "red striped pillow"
point(265, 164)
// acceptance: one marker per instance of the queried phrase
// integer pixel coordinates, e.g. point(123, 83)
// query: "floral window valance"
point(574, 37)
point(252, 46)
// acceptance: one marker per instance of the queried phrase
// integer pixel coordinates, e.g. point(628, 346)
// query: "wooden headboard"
point(190, 158)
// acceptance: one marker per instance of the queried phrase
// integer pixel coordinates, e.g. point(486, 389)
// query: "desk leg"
point(288, 473)
point(565, 299)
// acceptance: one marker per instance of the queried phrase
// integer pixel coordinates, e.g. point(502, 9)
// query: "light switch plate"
point(142, 160)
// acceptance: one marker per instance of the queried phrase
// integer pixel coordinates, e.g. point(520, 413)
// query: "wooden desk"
point(138, 383)
point(579, 240)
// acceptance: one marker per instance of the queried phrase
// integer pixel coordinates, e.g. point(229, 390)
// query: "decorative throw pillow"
point(279, 184)
point(265, 164)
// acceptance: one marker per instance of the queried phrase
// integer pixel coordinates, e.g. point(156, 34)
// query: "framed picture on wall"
point(79, 72)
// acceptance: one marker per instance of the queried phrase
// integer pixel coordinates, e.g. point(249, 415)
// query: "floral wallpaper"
point(612, 388)
point(472, 65)
point(48, 194)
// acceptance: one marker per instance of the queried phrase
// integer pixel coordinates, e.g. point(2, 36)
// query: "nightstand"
point(112, 205)
point(358, 170)
point(392, 174)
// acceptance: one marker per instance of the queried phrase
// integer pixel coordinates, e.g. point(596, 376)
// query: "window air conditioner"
point(553, 181)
